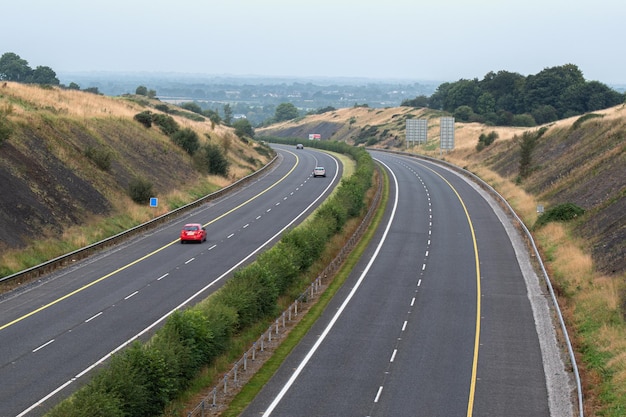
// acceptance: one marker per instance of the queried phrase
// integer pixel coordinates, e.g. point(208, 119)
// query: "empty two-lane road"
point(54, 332)
point(435, 320)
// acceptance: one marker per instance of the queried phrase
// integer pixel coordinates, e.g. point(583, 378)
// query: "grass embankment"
point(65, 199)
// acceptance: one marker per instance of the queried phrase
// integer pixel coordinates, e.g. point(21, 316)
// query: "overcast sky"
point(443, 40)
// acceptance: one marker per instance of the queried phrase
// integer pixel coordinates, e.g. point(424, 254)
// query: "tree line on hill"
point(510, 99)
point(14, 68)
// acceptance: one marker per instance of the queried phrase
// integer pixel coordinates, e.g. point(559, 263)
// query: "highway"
point(443, 316)
point(54, 332)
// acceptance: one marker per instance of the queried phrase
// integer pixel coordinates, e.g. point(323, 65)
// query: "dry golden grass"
point(586, 294)
point(69, 102)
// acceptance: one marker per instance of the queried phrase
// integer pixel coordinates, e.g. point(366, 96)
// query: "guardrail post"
point(225, 383)
point(254, 351)
point(245, 361)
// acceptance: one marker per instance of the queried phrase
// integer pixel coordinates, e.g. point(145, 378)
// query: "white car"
point(299, 146)
point(319, 172)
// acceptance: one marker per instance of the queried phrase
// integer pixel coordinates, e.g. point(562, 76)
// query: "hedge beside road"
point(145, 377)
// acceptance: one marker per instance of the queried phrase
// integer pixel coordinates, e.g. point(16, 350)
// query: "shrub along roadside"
point(140, 380)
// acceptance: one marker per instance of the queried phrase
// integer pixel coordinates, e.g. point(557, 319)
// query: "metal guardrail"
point(272, 335)
point(60, 261)
point(533, 245)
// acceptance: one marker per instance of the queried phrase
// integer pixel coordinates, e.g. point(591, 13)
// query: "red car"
point(193, 232)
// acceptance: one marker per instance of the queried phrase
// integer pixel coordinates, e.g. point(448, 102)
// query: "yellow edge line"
point(470, 402)
point(66, 296)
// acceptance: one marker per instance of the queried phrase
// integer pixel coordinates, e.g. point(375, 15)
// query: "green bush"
point(102, 157)
point(162, 107)
point(140, 190)
point(145, 118)
point(334, 212)
point(187, 139)
point(91, 402)
point(281, 261)
point(350, 196)
point(583, 119)
point(166, 123)
point(191, 330)
point(488, 139)
point(141, 380)
point(560, 213)
point(307, 243)
point(251, 293)
point(211, 159)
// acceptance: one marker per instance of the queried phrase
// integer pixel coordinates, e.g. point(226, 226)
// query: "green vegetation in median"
point(252, 388)
point(142, 379)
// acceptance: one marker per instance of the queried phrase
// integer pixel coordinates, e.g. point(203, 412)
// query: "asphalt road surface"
point(55, 331)
point(443, 316)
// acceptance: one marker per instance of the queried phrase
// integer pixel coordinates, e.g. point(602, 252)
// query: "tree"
point(545, 114)
point(527, 143)
point(73, 86)
point(187, 139)
point(14, 68)
point(93, 90)
point(243, 128)
point(142, 90)
point(213, 116)
point(485, 103)
point(462, 93)
point(286, 111)
point(417, 102)
point(546, 87)
point(464, 113)
point(212, 158)
point(192, 107)
point(43, 75)
point(228, 114)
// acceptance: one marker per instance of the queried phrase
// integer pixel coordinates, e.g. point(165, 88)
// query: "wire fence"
point(234, 379)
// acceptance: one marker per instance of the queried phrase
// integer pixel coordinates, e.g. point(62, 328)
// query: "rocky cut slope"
point(51, 171)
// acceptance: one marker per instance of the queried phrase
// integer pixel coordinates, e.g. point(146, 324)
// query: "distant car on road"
point(193, 232)
point(319, 172)
point(299, 146)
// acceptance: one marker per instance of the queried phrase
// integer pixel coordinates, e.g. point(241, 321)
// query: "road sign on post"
point(154, 202)
point(416, 131)
point(447, 133)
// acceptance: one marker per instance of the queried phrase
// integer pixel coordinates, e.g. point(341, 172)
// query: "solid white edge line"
point(181, 305)
point(319, 341)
